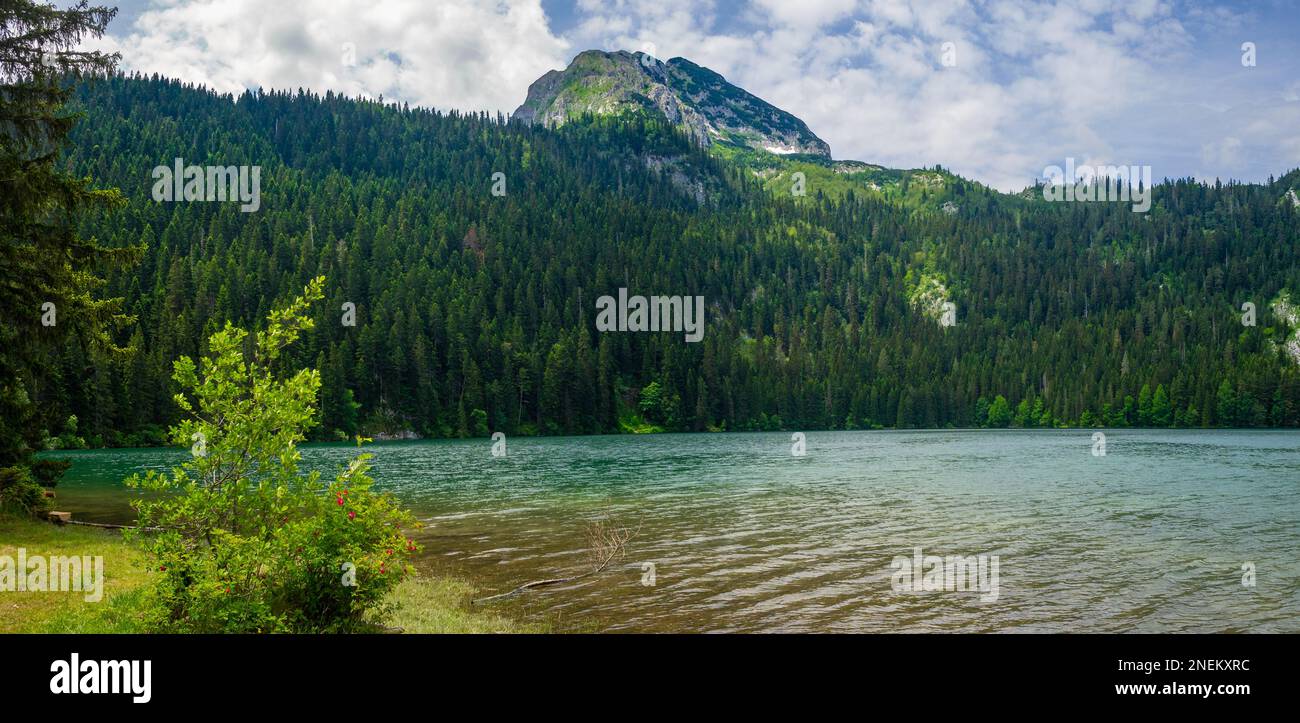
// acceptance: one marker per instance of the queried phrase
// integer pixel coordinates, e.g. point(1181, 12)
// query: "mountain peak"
point(694, 98)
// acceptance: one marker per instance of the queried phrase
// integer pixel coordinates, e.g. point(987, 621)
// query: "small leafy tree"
point(999, 412)
point(243, 542)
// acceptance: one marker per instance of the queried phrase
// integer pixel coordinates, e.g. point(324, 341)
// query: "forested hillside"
point(475, 312)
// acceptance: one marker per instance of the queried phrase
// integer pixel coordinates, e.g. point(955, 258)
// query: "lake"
point(1156, 535)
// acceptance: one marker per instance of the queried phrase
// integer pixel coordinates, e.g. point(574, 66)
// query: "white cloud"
point(464, 54)
point(1035, 81)
point(1119, 81)
point(809, 13)
point(1225, 153)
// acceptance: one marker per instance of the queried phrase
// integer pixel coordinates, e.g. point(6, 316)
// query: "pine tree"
point(1226, 405)
point(50, 270)
point(1144, 406)
point(1161, 411)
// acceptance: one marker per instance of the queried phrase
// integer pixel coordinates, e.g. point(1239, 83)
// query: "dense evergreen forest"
point(475, 312)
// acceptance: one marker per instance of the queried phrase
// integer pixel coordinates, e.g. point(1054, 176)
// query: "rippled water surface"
point(1151, 537)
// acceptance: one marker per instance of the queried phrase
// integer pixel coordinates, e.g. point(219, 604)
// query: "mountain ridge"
point(775, 146)
point(699, 100)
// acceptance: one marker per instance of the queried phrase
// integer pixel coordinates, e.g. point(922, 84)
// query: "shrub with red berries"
point(247, 542)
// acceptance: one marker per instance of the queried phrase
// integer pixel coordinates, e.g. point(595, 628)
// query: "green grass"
point(916, 188)
point(421, 604)
point(442, 605)
point(631, 422)
point(637, 426)
point(69, 612)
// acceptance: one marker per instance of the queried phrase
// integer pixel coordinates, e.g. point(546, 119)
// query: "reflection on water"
point(1150, 537)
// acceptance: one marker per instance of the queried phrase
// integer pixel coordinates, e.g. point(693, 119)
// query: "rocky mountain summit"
point(692, 97)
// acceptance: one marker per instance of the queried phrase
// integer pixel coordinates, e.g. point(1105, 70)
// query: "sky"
point(995, 90)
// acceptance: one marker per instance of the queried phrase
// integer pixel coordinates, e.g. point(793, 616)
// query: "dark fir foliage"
point(50, 275)
point(476, 313)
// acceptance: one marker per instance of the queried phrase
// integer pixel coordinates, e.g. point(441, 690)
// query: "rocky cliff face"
point(692, 97)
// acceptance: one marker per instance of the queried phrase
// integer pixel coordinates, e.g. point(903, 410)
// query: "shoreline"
point(421, 604)
point(384, 439)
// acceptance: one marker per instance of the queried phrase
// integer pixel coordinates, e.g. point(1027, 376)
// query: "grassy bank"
point(69, 612)
point(421, 604)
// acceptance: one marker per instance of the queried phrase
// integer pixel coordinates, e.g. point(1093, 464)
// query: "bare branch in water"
point(606, 542)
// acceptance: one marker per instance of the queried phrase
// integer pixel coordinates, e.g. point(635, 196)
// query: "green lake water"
point(743, 536)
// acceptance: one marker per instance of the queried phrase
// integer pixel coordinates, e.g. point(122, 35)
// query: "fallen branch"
point(531, 585)
point(113, 527)
point(605, 541)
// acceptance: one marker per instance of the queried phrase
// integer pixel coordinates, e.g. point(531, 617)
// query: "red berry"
point(352, 515)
